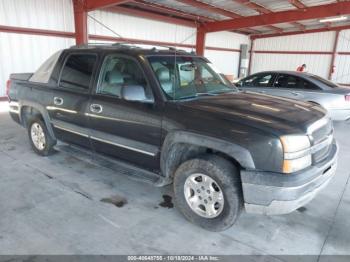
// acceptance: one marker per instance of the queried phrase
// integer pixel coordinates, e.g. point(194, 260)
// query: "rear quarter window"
point(43, 74)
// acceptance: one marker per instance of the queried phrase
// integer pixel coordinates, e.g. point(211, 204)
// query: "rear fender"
point(41, 109)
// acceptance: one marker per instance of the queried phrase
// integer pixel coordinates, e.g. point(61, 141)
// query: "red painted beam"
point(32, 31)
point(292, 52)
point(80, 22)
point(209, 7)
point(334, 53)
point(153, 7)
point(307, 31)
point(152, 16)
point(314, 12)
point(298, 4)
point(100, 4)
point(200, 41)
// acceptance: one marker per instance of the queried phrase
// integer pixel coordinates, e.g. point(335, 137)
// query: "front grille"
point(321, 154)
point(321, 136)
point(322, 132)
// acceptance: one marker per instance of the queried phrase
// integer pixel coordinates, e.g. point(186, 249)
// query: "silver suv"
point(301, 86)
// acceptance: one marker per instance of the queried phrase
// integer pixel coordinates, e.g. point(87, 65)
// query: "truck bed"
point(21, 76)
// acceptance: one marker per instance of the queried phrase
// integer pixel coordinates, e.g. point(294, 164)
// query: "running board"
point(118, 166)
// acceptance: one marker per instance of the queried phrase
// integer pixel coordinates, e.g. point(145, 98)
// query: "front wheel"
point(41, 141)
point(208, 192)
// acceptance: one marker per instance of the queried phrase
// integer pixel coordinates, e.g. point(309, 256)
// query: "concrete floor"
point(51, 205)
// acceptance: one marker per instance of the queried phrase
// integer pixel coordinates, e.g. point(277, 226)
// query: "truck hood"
point(269, 113)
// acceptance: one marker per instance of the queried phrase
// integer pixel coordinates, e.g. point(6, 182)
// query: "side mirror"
point(135, 93)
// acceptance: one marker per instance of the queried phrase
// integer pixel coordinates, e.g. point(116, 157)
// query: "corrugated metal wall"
point(41, 14)
point(342, 61)
point(226, 61)
point(24, 52)
point(315, 42)
point(140, 28)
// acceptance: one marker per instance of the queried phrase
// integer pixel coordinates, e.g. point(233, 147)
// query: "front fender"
point(237, 152)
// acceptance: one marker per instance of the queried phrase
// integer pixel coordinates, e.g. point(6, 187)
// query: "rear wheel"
point(41, 141)
point(208, 192)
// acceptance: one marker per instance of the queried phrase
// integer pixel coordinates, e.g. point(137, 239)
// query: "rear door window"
point(293, 82)
point(77, 71)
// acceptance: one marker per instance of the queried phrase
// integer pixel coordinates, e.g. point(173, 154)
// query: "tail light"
point(8, 83)
point(347, 98)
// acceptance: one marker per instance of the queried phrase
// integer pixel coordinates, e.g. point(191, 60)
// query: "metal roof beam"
point(150, 15)
point(314, 12)
point(299, 25)
point(307, 31)
point(260, 9)
point(253, 6)
point(99, 4)
point(170, 11)
point(298, 4)
point(210, 8)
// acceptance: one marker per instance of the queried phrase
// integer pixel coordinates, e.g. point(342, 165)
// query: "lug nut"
point(205, 201)
point(198, 191)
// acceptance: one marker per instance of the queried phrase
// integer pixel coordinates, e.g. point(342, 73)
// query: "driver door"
point(128, 129)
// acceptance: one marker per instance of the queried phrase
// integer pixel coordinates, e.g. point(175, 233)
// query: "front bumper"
point(274, 194)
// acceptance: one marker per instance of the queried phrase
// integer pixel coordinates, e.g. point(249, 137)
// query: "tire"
point(226, 180)
point(46, 142)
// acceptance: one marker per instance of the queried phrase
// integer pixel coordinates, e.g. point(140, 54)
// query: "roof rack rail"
point(124, 45)
point(91, 45)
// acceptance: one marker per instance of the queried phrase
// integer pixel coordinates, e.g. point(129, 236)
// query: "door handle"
point(95, 108)
point(57, 101)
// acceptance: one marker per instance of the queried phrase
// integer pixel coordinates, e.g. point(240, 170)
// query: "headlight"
point(297, 154)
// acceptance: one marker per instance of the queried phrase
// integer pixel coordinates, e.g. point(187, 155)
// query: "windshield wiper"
point(197, 95)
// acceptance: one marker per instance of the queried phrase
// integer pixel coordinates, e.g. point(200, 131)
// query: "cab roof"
point(132, 49)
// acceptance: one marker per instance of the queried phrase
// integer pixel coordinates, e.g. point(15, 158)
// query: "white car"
point(301, 86)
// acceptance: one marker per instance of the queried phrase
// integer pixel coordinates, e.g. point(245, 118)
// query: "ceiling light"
point(334, 19)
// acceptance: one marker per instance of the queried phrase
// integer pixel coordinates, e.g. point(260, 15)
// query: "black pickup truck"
point(172, 115)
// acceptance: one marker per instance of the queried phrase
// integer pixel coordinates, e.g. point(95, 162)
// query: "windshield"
point(324, 81)
point(184, 77)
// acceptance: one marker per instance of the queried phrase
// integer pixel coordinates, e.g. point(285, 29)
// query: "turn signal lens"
point(294, 143)
point(294, 165)
point(296, 153)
